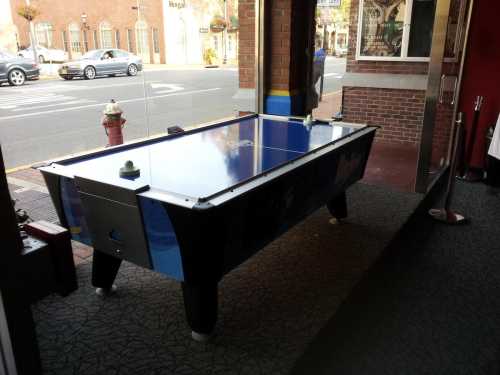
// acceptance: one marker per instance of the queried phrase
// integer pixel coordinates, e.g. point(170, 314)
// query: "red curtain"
point(482, 72)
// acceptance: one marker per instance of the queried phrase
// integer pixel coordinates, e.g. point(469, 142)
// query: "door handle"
point(454, 91)
point(441, 89)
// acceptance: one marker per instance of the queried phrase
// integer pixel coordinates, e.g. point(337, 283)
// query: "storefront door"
point(450, 24)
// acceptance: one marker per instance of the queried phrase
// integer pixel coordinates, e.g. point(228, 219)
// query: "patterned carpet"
point(271, 307)
point(429, 305)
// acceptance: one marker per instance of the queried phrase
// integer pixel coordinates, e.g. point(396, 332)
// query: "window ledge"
point(386, 81)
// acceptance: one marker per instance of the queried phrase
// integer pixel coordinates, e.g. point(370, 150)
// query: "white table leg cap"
point(200, 337)
point(102, 292)
point(334, 221)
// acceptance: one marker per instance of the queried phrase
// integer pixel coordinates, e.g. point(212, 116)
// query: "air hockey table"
point(205, 199)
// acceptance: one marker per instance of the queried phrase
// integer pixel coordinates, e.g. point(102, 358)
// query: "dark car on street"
point(16, 70)
point(102, 62)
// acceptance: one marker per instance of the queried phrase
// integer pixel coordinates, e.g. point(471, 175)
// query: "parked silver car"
point(45, 54)
point(102, 62)
point(16, 70)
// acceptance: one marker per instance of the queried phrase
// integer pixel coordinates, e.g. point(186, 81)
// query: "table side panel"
point(73, 212)
point(164, 248)
point(216, 240)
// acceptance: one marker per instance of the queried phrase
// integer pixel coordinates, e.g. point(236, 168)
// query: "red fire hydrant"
point(113, 123)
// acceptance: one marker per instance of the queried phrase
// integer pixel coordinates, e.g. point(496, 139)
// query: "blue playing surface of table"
point(204, 163)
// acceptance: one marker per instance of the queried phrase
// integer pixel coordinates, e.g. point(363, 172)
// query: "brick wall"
point(398, 112)
point(120, 17)
point(278, 44)
point(246, 52)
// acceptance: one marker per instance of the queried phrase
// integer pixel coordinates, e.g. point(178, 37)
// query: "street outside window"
point(167, 66)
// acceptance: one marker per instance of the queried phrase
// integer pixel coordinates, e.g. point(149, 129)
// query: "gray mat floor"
point(271, 307)
point(429, 305)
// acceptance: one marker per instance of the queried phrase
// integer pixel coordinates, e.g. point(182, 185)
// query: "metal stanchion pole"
point(445, 214)
point(469, 175)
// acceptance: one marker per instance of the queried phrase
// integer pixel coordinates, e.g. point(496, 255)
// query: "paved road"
point(49, 119)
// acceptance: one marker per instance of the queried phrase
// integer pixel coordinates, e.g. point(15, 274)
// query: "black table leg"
point(200, 302)
point(104, 270)
point(338, 206)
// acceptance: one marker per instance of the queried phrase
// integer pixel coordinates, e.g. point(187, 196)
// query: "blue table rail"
point(206, 199)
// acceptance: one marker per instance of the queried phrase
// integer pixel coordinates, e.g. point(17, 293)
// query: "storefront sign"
point(329, 3)
point(177, 4)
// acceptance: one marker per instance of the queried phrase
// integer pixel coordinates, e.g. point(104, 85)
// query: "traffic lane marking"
point(61, 87)
point(334, 75)
point(31, 114)
point(79, 101)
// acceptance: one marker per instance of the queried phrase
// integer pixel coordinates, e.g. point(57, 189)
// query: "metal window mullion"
point(406, 29)
point(360, 29)
point(431, 94)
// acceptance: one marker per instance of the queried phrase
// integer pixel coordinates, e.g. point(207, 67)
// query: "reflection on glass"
point(422, 16)
point(189, 54)
point(204, 163)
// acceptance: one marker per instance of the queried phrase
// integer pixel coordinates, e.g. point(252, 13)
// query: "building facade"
point(8, 31)
point(332, 26)
point(159, 31)
point(195, 28)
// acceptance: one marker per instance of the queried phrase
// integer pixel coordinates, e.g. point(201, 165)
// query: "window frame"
point(118, 41)
point(459, 34)
point(65, 42)
point(142, 38)
point(75, 45)
point(406, 37)
point(404, 42)
point(95, 38)
point(106, 28)
point(130, 45)
point(46, 29)
point(155, 34)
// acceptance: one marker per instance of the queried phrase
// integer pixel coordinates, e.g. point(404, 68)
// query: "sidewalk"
point(329, 105)
point(27, 188)
point(49, 71)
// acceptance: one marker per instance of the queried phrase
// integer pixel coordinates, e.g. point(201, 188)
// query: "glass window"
point(106, 35)
point(74, 38)
point(454, 34)
point(156, 40)
point(120, 53)
point(85, 41)
point(117, 38)
point(65, 40)
point(96, 39)
point(152, 99)
point(130, 45)
point(216, 45)
point(422, 20)
point(142, 40)
point(395, 29)
point(44, 32)
point(92, 55)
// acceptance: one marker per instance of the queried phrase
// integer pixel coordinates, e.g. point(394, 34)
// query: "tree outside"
point(30, 12)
